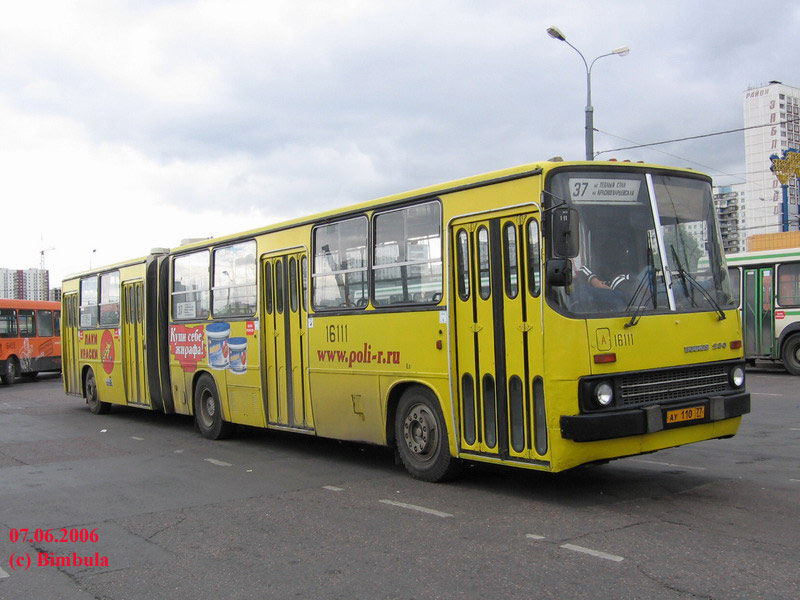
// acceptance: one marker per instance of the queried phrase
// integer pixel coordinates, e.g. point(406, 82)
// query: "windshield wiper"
point(638, 298)
point(686, 276)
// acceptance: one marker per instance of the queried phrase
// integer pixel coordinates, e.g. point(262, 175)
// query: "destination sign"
point(584, 189)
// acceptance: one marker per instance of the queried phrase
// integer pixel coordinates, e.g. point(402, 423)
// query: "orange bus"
point(30, 338)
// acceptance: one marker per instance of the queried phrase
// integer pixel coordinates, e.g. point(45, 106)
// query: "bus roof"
point(779, 254)
point(28, 304)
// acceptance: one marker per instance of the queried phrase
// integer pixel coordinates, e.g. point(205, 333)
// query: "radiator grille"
point(672, 384)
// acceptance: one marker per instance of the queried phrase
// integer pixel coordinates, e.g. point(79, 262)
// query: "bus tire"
point(96, 406)
point(791, 354)
point(11, 371)
point(421, 435)
point(207, 410)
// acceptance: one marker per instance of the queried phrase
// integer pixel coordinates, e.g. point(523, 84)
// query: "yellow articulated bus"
point(546, 316)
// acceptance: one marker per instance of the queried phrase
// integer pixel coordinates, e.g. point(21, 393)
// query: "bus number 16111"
point(336, 333)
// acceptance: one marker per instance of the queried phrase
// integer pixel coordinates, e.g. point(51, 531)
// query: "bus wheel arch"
point(420, 433)
point(91, 393)
point(208, 408)
point(790, 353)
point(10, 370)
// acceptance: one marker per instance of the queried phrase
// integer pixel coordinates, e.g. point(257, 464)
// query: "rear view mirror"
point(564, 228)
point(559, 272)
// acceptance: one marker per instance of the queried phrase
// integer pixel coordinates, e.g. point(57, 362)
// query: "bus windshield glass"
point(620, 268)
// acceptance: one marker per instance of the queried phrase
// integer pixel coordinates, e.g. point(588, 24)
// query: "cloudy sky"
point(130, 125)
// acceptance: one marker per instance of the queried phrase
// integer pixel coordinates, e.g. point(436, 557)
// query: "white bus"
point(767, 288)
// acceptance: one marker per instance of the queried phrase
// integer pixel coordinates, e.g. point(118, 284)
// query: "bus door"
point(69, 345)
point(133, 345)
point(758, 311)
point(498, 335)
point(285, 306)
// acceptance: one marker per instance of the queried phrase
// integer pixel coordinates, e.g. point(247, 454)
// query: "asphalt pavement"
point(138, 505)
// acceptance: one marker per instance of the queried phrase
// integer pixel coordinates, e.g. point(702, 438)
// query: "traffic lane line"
point(219, 463)
point(597, 553)
point(581, 549)
point(3, 574)
point(422, 509)
point(666, 464)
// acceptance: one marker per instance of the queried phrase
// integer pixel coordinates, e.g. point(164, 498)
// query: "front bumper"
point(649, 419)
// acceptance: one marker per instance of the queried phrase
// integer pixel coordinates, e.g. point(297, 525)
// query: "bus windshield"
point(621, 265)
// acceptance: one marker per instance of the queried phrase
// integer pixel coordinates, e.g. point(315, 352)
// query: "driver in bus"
point(598, 294)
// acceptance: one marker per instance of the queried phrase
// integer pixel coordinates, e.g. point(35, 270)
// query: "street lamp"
point(555, 33)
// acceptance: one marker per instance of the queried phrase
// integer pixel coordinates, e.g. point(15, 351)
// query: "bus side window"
point(788, 284)
point(234, 291)
point(407, 255)
point(27, 327)
point(109, 299)
point(339, 276)
point(190, 286)
point(89, 302)
point(8, 323)
point(44, 323)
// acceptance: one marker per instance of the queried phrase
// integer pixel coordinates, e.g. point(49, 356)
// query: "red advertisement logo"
point(187, 345)
point(107, 351)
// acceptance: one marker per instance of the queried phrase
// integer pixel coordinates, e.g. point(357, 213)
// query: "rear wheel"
point(791, 354)
point(92, 396)
point(10, 372)
point(207, 412)
point(421, 436)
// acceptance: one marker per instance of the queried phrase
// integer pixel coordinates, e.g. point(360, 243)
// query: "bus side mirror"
point(564, 227)
point(559, 272)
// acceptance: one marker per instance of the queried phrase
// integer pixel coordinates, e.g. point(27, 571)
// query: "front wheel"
point(421, 436)
point(10, 372)
point(791, 354)
point(96, 406)
point(207, 412)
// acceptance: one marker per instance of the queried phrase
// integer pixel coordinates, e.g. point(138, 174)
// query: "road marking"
point(764, 394)
point(3, 574)
point(666, 464)
point(797, 480)
point(8, 406)
point(429, 511)
point(332, 488)
point(534, 537)
point(219, 463)
point(133, 437)
point(596, 553)
point(178, 452)
point(794, 429)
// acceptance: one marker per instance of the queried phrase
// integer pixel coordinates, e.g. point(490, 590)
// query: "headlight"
point(737, 376)
point(604, 394)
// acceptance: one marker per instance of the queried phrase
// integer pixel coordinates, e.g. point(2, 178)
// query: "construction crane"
point(41, 257)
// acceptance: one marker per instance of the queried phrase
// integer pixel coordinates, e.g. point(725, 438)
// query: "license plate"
point(692, 413)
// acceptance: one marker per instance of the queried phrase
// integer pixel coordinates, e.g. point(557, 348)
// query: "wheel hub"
point(211, 407)
point(419, 431)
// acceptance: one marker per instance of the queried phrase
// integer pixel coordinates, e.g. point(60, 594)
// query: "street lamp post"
point(555, 33)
